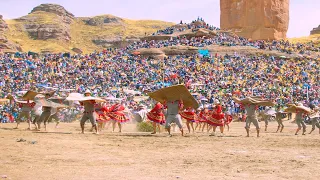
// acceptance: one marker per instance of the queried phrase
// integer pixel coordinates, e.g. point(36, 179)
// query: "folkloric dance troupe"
point(170, 113)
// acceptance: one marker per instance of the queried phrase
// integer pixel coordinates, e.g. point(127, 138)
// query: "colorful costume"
point(102, 114)
point(202, 116)
point(156, 115)
point(25, 111)
point(228, 119)
point(189, 114)
point(216, 118)
point(116, 113)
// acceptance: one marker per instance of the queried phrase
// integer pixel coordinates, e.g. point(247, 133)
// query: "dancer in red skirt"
point(217, 118)
point(157, 117)
point(117, 115)
point(228, 120)
point(190, 116)
point(203, 118)
point(102, 111)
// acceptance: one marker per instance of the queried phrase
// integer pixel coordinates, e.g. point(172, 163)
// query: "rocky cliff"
point(4, 42)
point(256, 19)
point(48, 21)
point(55, 9)
point(315, 30)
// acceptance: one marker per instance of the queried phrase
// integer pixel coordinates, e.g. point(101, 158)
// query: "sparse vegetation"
point(306, 39)
point(145, 127)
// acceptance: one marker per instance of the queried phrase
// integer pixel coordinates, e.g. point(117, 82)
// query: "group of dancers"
point(167, 113)
point(97, 113)
point(202, 118)
point(211, 119)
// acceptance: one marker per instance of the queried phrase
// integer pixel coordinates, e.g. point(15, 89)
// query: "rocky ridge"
point(102, 20)
point(315, 30)
point(4, 42)
point(48, 21)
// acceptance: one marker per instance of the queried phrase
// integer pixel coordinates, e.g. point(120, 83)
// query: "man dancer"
point(173, 115)
point(25, 113)
point(251, 110)
point(46, 112)
point(266, 117)
point(89, 109)
point(54, 116)
point(300, 120)
point(315, 119)
point(279, 119)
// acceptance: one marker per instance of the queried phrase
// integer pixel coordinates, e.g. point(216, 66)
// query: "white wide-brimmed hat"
point(87, 92)
point(216, 101)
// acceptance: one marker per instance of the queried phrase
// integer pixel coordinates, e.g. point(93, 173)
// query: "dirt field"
point(65, 154)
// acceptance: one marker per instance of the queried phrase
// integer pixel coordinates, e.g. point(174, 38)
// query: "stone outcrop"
point(188, 34)
point(55, 9)
point(102, 20)
point(114, 42)
point(3, 24)
point(255, 19)
point(5, 44)
point(55, 26)
point(48, 31)
point(160, 53)
point(77, 50)
point(315, 30)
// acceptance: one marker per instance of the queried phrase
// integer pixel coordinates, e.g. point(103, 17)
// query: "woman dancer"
point(216, 119)
point(102, 111)
point(117, 116)
point(228, 120)
point(228, 117)
point(202, 118)
point(189, 115)
point(157, 117)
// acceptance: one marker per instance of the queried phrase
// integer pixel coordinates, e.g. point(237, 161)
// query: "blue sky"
point(304, 14)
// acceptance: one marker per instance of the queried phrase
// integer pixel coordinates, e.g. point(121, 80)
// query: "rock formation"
point(315, 30)
point(117, 41)
point(54, 25)
point(55, 9)
point(5, 44)
point(3, 24)
point(102, 20)
point(255, 19)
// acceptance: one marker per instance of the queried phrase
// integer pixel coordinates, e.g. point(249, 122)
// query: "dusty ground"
point(65, 154)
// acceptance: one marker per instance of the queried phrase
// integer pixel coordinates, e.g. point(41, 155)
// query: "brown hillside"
point(51, 28)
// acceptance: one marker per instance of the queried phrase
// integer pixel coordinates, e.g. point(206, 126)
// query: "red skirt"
point(189, 116)
point(201, 119)
point(118, 116)
point(102, 117)
point(228, 119)
point(216, 120)
point(156, 117)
